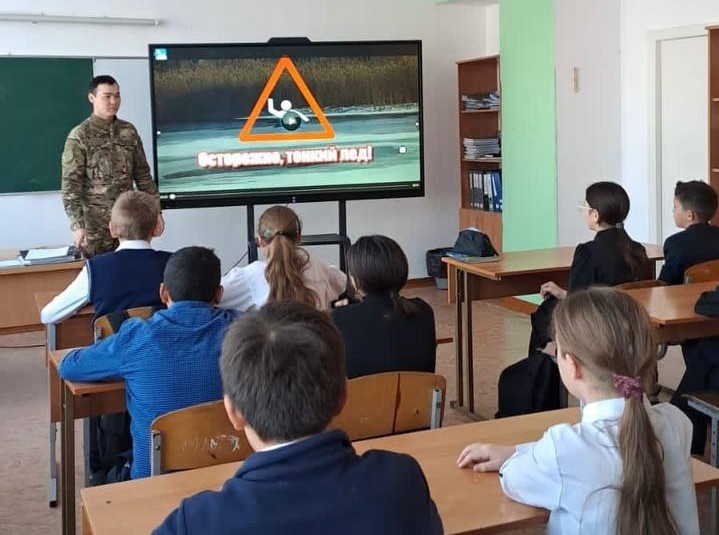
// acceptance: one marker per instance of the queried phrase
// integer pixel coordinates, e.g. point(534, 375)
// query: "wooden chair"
point(392, 402)
point(110, 323)
point(704, 272)
point(195, 437)
point(649, 283)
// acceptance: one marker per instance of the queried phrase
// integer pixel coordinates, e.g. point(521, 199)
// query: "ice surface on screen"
point(312, 119)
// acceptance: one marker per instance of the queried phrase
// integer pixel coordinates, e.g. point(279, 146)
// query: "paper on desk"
point(10, 263)
point(42, 254)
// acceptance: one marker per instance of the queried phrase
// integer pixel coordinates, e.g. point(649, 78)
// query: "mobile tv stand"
point(340, 238)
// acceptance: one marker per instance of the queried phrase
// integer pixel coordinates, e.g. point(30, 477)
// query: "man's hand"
point(79, 238)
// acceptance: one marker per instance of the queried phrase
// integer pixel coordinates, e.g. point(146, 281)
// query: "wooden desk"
point(18, 285)
point(75, 331)
point(671, 309)
point(516, 273)
point(78, 400)
point(468, 502)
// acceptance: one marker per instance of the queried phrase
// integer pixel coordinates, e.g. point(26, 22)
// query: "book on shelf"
point(485, 190)
point(55, 255)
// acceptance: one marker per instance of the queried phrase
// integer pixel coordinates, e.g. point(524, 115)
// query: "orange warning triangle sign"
point(285, 64)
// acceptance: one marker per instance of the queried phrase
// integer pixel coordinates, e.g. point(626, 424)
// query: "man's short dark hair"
point(283, 368)
point(101, 79)
point(697, 196)
point(192, 274)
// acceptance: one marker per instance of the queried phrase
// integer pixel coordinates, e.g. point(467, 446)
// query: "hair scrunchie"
point(629, 387)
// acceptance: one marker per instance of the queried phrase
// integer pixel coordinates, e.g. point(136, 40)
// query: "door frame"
point(655, 38)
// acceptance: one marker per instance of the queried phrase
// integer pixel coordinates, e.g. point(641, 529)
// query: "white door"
point(683, 94)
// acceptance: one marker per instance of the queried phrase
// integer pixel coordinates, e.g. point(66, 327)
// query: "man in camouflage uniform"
point(103, 158)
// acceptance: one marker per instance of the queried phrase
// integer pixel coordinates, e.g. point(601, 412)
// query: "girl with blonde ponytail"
point(625, 468)
point(287, 274)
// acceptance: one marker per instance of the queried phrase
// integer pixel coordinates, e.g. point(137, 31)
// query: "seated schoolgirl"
point(611, 258)
point(384, 331)
point(288, 273)
point(625, 468)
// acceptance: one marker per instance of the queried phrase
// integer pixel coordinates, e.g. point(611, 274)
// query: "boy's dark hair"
point(697, 196)
point(192, 274)
point(101, 79)
point(379, 266)
point(283, 368)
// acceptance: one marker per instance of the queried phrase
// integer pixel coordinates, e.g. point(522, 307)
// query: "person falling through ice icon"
point(289, 118)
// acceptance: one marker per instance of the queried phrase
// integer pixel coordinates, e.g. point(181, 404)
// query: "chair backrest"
point(648, 283)
point(195, 437)
point(392, 402)
point(110, 323)
point(704, 272)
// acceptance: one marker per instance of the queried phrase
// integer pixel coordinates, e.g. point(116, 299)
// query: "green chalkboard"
point(41, 99)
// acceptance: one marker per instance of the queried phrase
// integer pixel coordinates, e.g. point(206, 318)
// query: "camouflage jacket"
point(101, 160)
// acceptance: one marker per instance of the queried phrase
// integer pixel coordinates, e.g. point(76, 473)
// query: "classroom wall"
point(638, 18)
point(528, 124)
point(588, 115)
point(418, 224)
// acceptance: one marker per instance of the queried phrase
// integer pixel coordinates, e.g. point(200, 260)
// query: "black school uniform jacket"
point(694, 245)
point(600, 263)
point(317, 486)
point(378, 340)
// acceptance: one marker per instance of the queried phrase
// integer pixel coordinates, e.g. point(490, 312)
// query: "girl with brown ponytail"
point(625, 468)
point(287, 274)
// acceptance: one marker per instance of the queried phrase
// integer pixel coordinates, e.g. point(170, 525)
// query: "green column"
point(529, 156)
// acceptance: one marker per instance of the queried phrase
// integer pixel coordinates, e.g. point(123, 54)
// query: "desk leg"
point(468, 350)
point(714, 462)
point(52, 485)
point(458, 337)
point(67, 461)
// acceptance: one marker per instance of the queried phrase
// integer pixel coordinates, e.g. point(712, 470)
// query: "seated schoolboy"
point(695, 203)
point(288, 273)
point(125, 278)
point(384, 331)
point(169, 361)
point(284, 378)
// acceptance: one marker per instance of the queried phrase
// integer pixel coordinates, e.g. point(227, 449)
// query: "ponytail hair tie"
point(619, 225)
point(629, 387)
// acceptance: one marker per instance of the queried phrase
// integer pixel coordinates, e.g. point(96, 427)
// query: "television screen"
point(286, 122)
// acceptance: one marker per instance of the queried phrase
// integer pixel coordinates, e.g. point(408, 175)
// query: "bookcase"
point(714, 110)
point(480, 120)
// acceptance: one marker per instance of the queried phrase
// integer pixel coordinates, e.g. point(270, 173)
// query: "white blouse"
point(574, 470)
point(246, 286)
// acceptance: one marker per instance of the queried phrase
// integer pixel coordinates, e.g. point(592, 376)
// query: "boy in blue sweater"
point(171, 360)
point(283, 373)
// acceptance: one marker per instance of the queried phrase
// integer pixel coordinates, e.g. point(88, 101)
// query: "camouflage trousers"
point(98, 243)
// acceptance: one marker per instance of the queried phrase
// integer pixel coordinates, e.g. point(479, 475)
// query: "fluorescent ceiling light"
point(74, 19)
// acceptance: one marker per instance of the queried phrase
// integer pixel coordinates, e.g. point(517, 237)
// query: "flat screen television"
point(286, 121)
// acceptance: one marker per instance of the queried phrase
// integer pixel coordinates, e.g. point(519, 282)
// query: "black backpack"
point(530, 385)
point(472, 242)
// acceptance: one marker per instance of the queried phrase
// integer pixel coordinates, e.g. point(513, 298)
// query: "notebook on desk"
point(472, 259)
point(55, 255)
